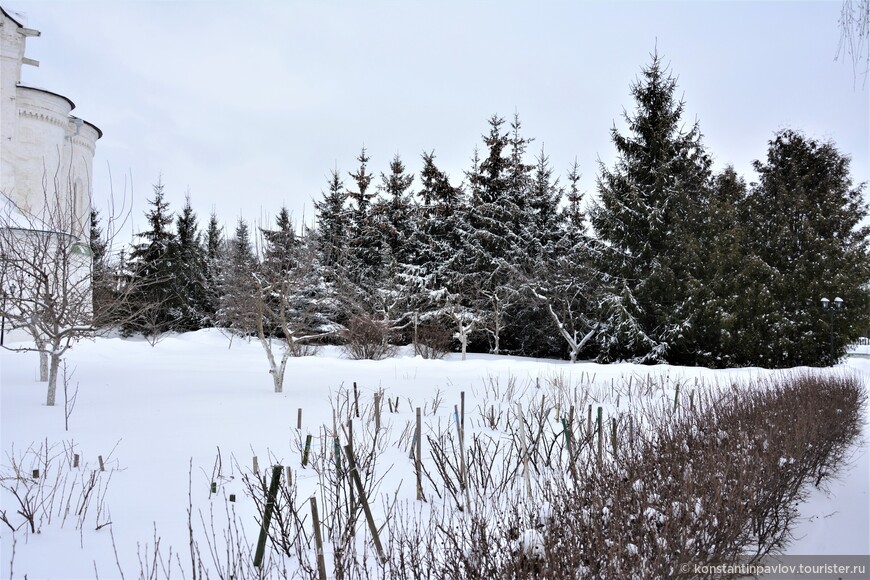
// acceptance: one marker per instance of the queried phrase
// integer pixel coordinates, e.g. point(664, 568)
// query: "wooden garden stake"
point(419, 458)
point(613, 434)
point(355, 400)
point(377, 412)
point(676, 397)
point(318, 540)
point(102, 465)
point(75, 460)
point(354, 474)
point(256, 466)
point(299, 418)
point(267, 515)
point(600, 438)
point(525, 449)
point(589, 423)
point(462, 410)
point(307, 450)
point(692, 398)
point(289, 477)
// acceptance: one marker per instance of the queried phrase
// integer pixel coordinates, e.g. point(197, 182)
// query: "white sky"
point(249, 105)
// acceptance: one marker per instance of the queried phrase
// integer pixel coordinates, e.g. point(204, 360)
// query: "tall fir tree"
point(393, 215)
point(149, 268)
point(237, 305)
point(333, 225)
point(649, 202)
point(188, 263)
point(101, 269)
point(215, 248)
point(807, 233)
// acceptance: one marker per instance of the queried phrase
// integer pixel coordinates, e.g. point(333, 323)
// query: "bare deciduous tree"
point(854, 23)
point(46, 275)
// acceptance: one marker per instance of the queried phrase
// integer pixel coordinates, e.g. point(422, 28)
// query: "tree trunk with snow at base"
point(46, 258)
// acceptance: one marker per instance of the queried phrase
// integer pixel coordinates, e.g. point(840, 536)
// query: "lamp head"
point(825, 303)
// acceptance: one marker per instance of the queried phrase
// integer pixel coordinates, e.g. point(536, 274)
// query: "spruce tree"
point(649, 201)
point(333, 225)
point(237, 306)
point(101, 274)
point(188, 262)
point(214, 254)
point(392, 216)
point(806, 230)
point(149, 267)
point(495, 223)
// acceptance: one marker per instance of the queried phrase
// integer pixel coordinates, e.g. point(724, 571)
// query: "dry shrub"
point(715, 485)
point(367, 339)
point(433, 341)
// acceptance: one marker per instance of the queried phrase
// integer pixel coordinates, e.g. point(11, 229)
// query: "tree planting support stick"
point(354, 474)
point(419, 458)
point(267, 515)
point(318, 540)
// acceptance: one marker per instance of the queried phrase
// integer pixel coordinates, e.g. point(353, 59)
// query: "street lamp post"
point(826, 305)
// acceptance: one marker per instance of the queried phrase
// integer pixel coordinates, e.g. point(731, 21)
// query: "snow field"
point(163, 418)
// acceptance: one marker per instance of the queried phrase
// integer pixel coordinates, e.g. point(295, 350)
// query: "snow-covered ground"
point(159, 416)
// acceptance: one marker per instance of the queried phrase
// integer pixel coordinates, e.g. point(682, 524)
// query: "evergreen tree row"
point(671, 262)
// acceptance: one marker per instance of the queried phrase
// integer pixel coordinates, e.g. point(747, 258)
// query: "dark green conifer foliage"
point(333, 225)
point(648, 203)
point(149, 269)
point(101, 269)
point(188, 263)
point(237, 306)
point(215, 248)
point(807, 235)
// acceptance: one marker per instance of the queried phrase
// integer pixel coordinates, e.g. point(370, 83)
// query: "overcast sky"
point(249, 105)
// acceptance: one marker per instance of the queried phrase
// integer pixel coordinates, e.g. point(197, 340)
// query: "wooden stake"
point(613, 434)
point(589, 423)
point(102, 465)
point(377, 412)
point(355, 400)
point(419, 458)
point(462, 411)
point(307, 450)
point(299, 418)
point(318, 540)
point(600, 438)
point(256, 466)
point(75, 461)
point(289, 476)
point(351, 462)
point(267, 515)
point(525, 450)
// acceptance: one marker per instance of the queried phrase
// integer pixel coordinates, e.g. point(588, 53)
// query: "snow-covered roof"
point(16, 17)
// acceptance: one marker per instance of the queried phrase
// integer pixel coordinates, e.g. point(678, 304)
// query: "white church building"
point(46, 169)
point(46, 153)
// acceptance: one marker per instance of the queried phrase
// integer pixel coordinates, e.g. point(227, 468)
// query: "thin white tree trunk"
point(52, 380)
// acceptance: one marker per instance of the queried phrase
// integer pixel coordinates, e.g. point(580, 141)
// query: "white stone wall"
point(47, 154)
